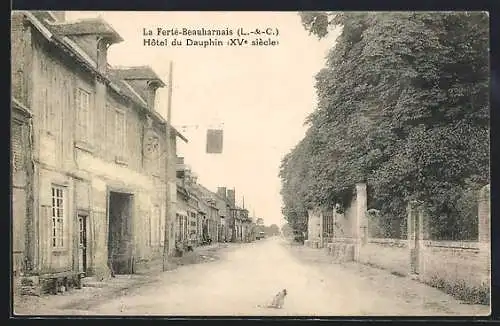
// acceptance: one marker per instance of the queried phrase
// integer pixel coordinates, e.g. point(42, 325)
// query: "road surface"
point(248, 275)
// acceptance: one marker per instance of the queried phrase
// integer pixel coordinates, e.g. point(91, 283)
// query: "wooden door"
point(82, 243)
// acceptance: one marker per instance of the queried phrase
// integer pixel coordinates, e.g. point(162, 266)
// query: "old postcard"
point(250, 163)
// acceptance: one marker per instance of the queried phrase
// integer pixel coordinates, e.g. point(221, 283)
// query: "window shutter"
point(79, 129)
point(17, 151)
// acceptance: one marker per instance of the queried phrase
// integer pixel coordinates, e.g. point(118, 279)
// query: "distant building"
point(213, 217)
point(189, 212)
point(223, 209)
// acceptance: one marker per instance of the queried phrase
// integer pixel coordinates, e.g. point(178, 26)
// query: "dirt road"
point(248, 275)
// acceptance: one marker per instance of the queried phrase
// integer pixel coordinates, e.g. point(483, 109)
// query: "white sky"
point(261, 95)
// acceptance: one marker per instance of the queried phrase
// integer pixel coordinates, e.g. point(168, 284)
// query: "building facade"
point(188, 216)
point(223, 208)
point(99, 153)
point(22, 186)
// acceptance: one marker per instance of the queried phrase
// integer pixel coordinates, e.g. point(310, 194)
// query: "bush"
point(462, 291)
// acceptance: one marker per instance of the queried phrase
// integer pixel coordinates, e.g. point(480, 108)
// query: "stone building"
point(213, 218)
point(223, 209)
point(182, 214)
point(244, 224)
point(188, 209)
point(224, 205)
point(99, 150)
point(22, 183)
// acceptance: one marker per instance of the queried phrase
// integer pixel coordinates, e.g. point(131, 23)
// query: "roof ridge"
point(120, 67)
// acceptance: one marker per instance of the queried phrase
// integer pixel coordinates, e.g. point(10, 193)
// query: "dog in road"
point(278, 300)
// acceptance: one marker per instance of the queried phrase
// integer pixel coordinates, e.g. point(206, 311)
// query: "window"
point(185, 224)
point(57, 217)
point(178, 231)
point(83, 115)
point(82, 240)
point(156, 227)
point(120, 133)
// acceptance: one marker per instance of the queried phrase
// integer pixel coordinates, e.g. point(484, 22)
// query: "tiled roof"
point(90, 26)
point(138, 72)
point(18, 105)
point(134, 77)
point(127, 89)
point(60, 32)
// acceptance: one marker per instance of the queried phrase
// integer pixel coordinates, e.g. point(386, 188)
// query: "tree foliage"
point(402, 105)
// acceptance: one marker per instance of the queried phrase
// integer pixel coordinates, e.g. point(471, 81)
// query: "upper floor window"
point(120, 133)
point(83, 115)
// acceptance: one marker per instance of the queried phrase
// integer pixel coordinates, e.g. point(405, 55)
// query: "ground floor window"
point(178, 228)
point(58, 214)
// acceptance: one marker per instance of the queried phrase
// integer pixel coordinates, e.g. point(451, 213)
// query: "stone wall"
point(456, 264)
point(465, 265)
point(461, 268)
point(388, 254)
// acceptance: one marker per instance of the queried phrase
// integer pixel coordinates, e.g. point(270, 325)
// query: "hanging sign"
point(214, 141)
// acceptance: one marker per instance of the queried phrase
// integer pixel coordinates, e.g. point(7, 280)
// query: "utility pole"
point(168, 201)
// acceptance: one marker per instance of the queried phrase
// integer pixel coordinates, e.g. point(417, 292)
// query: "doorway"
point(120, 254)
point(82, 243)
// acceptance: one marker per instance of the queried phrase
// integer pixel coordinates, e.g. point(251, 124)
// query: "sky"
point(259, 96)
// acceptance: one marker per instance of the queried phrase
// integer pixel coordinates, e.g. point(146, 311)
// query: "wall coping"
point(472, 245)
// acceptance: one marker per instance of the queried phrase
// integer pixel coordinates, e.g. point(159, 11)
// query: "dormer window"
point(92, 36)
point(142, 82)
point(102, 54)
point(152, 87)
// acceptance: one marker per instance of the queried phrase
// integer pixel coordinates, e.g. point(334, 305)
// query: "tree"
point(403, 106)
point(273, 229)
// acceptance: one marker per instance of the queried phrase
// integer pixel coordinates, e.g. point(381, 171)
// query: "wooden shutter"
point(17, 149)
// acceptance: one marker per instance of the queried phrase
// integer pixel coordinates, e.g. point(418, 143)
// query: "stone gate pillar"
point(484, 215)
point(360, 223)
point(313, 227)
point(417, 221)
point(484, 230)
point(321, 228)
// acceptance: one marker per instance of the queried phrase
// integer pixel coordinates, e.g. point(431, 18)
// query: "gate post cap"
point(484, 192)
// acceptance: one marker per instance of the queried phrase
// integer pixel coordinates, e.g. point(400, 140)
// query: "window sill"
point(84, 146)
point(120, 160)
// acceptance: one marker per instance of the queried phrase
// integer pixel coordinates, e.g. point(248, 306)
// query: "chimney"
point(231, 197)
point(221, 191)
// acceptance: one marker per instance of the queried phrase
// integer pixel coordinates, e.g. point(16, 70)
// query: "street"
point(248, 275)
